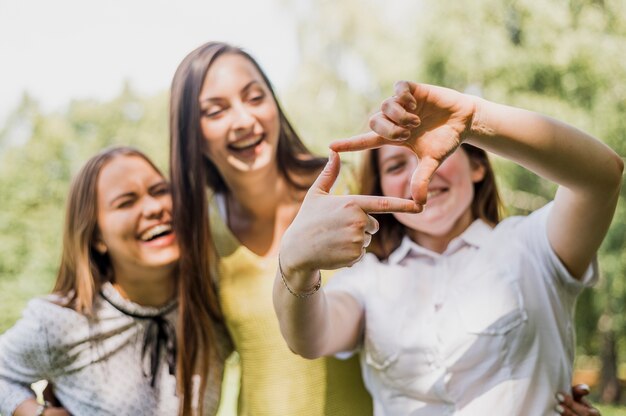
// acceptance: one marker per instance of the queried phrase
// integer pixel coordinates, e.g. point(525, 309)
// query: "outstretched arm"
point(329, 232)
point(434, 121)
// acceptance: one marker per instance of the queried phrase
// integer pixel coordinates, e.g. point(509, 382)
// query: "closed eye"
point(213, 112)
point(395, 167)
point(160, 189)
point(256, 99)
point(125, 203)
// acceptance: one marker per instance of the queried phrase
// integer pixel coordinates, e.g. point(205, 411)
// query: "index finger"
point(364, 141)
point(579, 390)
point(385, 204)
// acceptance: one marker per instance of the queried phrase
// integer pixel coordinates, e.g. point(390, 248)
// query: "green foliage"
point(564, 59)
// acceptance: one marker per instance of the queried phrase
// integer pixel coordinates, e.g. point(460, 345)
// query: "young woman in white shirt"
point(105, 338)
point(457, 313)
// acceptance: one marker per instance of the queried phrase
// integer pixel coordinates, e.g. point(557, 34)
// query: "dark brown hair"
point(83, 269)
point(486, 204)
point(191, 173)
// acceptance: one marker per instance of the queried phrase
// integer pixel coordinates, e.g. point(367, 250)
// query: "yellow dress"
point(274, 380)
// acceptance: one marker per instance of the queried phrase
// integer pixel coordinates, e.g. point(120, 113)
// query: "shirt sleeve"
point(24, 358)
point(355, 280)
point(535, 232)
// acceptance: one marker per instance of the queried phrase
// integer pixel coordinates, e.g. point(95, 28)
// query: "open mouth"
point(247, 143)
point(433, 193)
point(156, 232)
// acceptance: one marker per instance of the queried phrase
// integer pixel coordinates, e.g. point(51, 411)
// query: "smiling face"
point(450, 193)
point(134, 217)
point(239, 121)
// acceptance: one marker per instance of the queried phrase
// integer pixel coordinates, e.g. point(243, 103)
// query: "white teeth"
point(154, 231)
point(245, 143)
point(434, 193)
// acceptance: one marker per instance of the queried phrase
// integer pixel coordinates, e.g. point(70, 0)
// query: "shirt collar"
point(474, 235)
point(111, 295)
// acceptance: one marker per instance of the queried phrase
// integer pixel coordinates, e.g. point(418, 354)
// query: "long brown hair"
point(486, 204)
point(191, 173)
point(83, 269)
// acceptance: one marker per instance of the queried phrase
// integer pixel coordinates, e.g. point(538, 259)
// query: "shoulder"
point(531, 227)
point(48, 308)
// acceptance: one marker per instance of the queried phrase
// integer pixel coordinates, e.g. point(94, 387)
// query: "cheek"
point(212, 132)
point(115, 228)
point(394, 185)
point(270, 117)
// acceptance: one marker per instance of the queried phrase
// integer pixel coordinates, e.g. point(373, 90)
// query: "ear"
point(478, 171)
point(99, 245)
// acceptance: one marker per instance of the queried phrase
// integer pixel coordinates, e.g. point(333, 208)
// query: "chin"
point(425, 225)
point(257, 163)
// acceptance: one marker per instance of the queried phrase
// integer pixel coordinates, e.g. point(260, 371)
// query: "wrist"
point(301, 283)
point(477, 126)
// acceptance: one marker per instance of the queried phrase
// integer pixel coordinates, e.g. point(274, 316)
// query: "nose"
point(243, 117)
point(152, 207)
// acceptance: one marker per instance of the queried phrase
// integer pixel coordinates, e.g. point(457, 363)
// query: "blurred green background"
point(562, 58)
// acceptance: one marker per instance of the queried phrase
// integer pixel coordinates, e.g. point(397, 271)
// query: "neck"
point(439, 242)
point(153, 288)
point(257, 195)
point(260, 209)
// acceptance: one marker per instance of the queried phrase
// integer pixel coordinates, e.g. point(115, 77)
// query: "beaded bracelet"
point(302, 295)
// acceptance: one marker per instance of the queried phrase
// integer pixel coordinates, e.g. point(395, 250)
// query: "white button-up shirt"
point(483, 328)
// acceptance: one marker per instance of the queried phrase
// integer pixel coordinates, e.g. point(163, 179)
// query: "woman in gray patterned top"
point(106, 335)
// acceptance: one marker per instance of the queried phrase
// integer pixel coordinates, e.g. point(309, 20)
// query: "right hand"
point(55, 408)
point(576, 404)
point(332, 231)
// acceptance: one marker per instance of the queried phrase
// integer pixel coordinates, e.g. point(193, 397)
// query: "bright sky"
point(58, 50)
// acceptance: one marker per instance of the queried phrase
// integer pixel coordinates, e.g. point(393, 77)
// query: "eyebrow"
point(392, 157)
point(243, 90)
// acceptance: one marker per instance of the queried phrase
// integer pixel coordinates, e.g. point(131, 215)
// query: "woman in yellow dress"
point(239, 175)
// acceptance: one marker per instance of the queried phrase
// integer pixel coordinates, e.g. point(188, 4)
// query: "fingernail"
point(584, 387)
point(560, 397)
point(413, 124)
point(412, 105)
point(559, 409)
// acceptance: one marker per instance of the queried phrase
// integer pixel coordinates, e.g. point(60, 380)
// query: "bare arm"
point(434, 121)
point(329, 232)
point(588, 172)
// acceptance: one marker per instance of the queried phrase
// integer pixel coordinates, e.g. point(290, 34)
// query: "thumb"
point(421, 178)
point(328, 176)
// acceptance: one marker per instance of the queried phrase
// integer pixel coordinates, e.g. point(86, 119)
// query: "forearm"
point(548, 147)
point(303, 321)
point(588, 172)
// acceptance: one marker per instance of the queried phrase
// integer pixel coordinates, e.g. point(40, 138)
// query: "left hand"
point(429, 120)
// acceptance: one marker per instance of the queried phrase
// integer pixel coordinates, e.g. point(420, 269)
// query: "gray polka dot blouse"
point(98, 365)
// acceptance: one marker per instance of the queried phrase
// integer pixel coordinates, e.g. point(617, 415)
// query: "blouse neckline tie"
point(159, 335)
